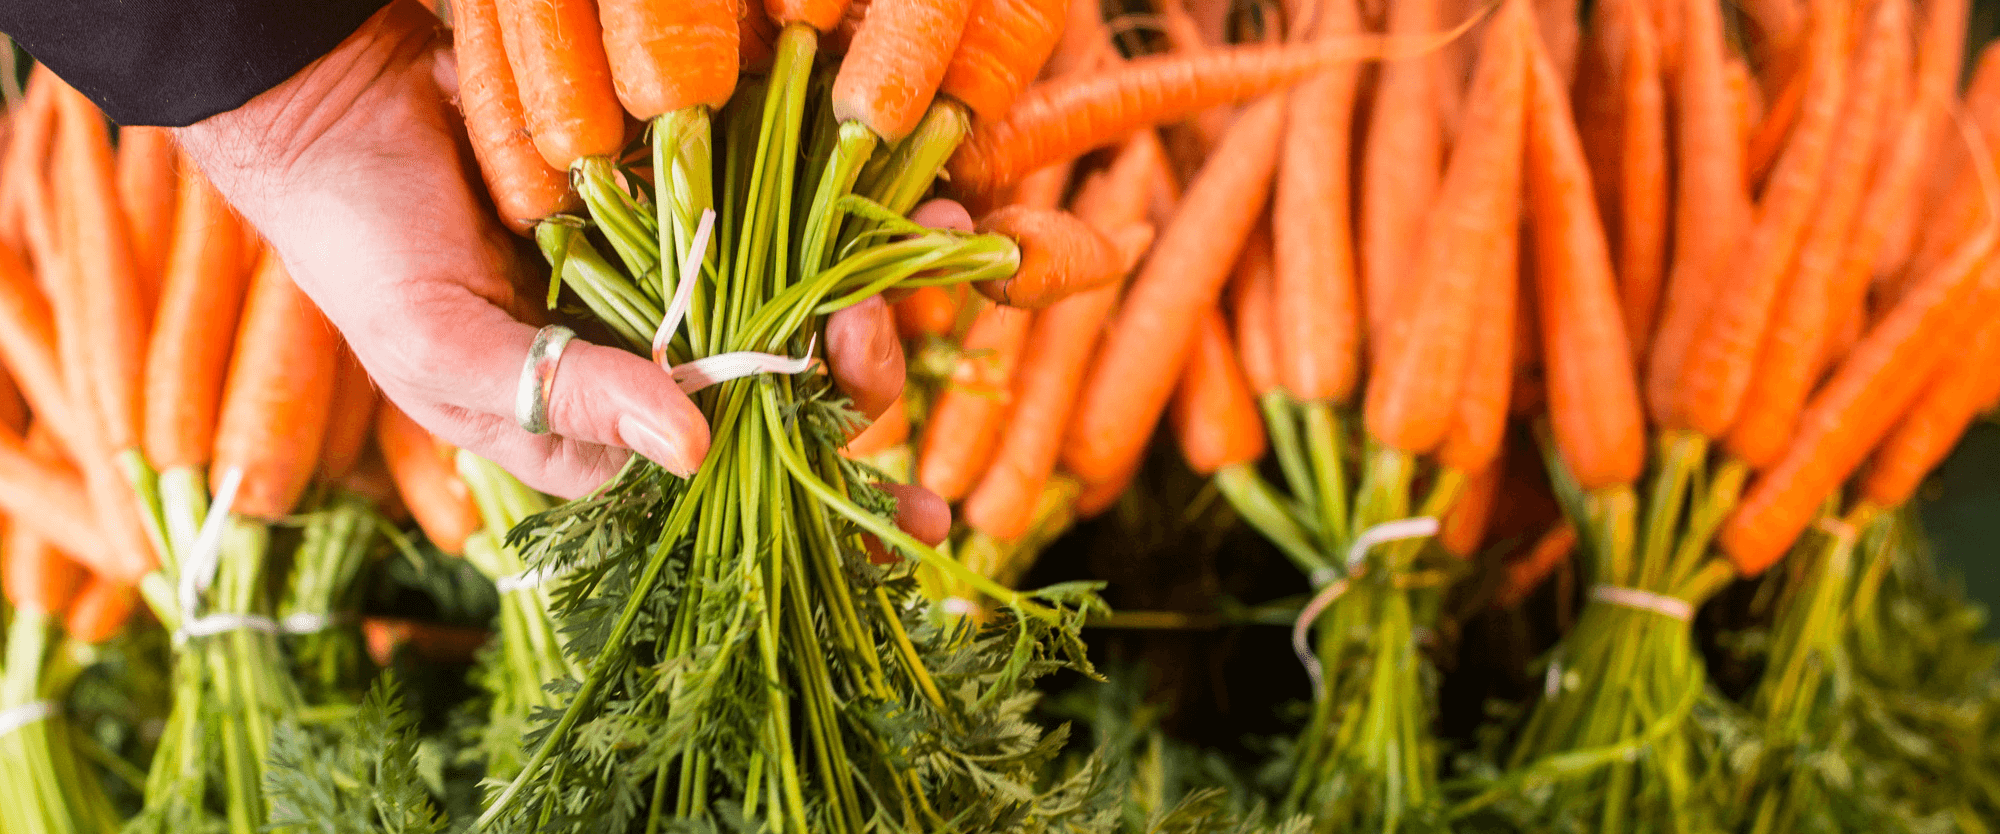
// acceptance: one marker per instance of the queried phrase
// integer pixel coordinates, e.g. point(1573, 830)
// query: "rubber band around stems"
point(1332, 589)
point(722, 367)
point(1673, 608)
point(959, 606)
point(17, 717)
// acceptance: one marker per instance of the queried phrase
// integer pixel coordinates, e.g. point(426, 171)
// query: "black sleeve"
point(176, 62)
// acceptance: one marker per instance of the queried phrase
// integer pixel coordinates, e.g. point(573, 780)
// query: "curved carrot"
point(1059, 349)
point(426, 474)
point(1789, 362)
point(101, 610)
point(25, 221)
point(525, 188)
point(1957, 392)
point(1005, 43)
point(556, 51)
point(28, 345)
point(1642, 186)
point(1465, 525)
point(147, 180)
point(35, 576)
point(1867, 394)
point(1710, 202)
point(277, 400)
point(1316, 332)
point(1064, 117)
point(49, 499)
point(1254, 305)
point(1939, 58)
point(1895, 183)
point(1213, 416)
point(1593, 397)
point(99, 248)
point(200, 299)
point(1402, 165)
point(1085, 41)
point(1560, 26)
point(819, 14)
point(1719, 362)
point(1420, 370)
point(351, 419)
point(1525, 574)
point(929, 311)
point(668, 56)
point(892, 69)
point(1060, 256)
point(1144, 348)
point(964, 424)
point(887, 432)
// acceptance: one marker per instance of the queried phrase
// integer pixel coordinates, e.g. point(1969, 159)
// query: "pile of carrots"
point(1721, 283)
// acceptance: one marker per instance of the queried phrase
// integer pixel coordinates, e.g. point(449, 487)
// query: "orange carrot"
point(1957, 392)
point(819, 14)
point(1085, 41)
point(887, 432)
point(1747, 99)
point(47, 498)
point(1059, 349)
point(426, 474)
point(929, 311)
point(756, 38)
point(1710, 205)
point(351, 418)
point(1464, 527)
point(1865, 397)
point(23, 214)
point(1213, 416)
point(101, 610)
point(146, 185)
point(668, 56)
point(1642, 187)
point(1064, 117)
point(1134, 374)
point(200, 299)
point(1719, 362)
point(1254, 305)
point(1102, 495)
point(1559, 23)
point(1413, 393)
point(964, 425)
point(1593, 398)
point(29, 347)
point(35, 575)
point(1402, 164)
point(1525, 574)
point(1005, 44)
point(278, 397)
point(1771, 131)
point(1892, 186)
point(1473, 442)
point(1939, 58)
point(898, 57)
point(1789, 362)
point(1060, 256)
point(99, 248)
point(525, 188)
point(1316, 332)
point(13, 408)
point(556, 51)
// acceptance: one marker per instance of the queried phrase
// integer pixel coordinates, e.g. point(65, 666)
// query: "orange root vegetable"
point(1643, 187)
point(147, 180)
point(100, 610)
point(28, 345)
point(1464, 527)
point(49, 500)
point(1004, 45)
point(425, 470)
point(1870, 390)
point(1413, 395)
point(34, 575)
point(351, 420)
point(1253, 304)
point(819, 14)
point(1213, 416)
point(1315, 339)
point(1960, 389)
point(524, 186)
point(1402, 164)
point(931, 311)
point(556, 51)
point(31, 128)
point(1525, 574)
point(98, 249)
point(277, 400)
point(1060, 256)
point(893, 67)
point(1064, 117)
point(1480, 421)
point(965, 422)
point(1790, 360)
point(668, 56)
point(201, 297)
point(1145, 346)
point(1711, 204)
point(887, 432)
point(1593, 397)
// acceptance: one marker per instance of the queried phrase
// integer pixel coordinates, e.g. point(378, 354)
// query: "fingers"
point(550, 463)
point(942, 214)
point(864, 355)
point(919, 512)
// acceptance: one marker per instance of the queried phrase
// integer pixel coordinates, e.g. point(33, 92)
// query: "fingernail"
point(640, 435)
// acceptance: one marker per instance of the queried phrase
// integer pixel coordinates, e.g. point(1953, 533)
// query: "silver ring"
point(538, 376)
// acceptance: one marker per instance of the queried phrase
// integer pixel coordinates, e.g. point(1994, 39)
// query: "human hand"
point(355, 170)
